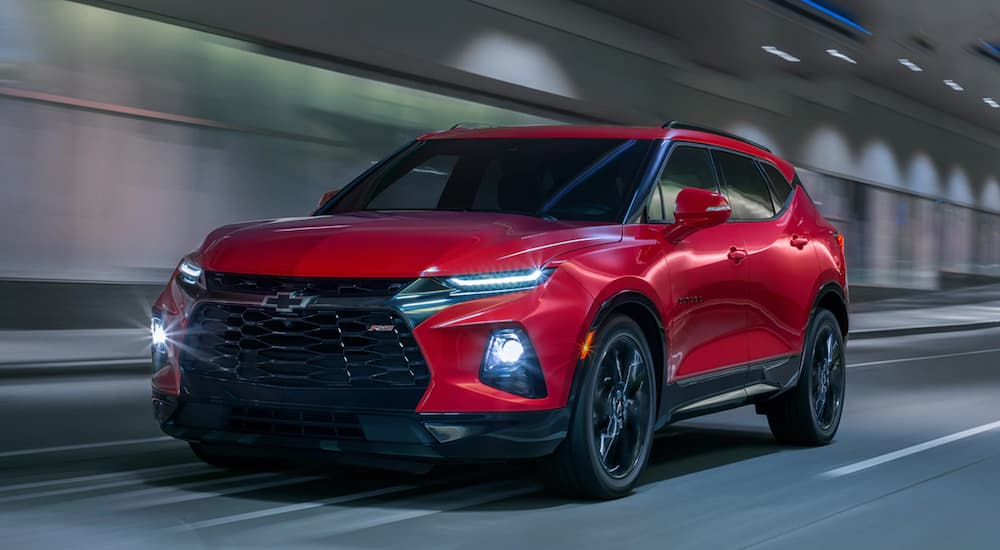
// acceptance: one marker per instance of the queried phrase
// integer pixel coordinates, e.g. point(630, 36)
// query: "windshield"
point(570, 179)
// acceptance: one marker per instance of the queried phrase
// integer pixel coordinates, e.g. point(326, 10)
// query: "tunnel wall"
point(123, 141)
point(102, 111)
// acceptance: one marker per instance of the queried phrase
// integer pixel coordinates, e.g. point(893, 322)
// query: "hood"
point(396, 244)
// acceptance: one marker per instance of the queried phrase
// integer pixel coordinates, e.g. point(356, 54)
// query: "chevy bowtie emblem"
point(287, 302)
point(381, 328)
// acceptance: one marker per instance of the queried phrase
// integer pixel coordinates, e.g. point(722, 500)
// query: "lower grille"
point(296, 422)
point(312, 348)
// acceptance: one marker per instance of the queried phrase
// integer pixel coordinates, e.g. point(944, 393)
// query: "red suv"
point(511, 293)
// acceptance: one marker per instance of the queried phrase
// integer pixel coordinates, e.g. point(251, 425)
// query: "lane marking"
point(98, 477)
point(924, 357)
point(201, 495)
point(896, 455)
point(100, 486)
point(268, 512)
point(365, 517)
point(62, 448)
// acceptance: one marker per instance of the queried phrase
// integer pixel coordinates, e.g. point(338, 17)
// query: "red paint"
point(727, 292)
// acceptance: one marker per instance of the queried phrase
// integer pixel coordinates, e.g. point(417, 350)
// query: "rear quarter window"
point(744, 186)
point(779, 185)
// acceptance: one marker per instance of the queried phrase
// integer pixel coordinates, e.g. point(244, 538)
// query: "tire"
point(214, 457)
point(608, 411)
point(798, 416)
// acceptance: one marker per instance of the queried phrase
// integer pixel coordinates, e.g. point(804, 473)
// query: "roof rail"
point(678, 125)
point(472, 126)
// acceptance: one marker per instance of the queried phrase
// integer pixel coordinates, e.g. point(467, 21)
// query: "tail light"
point(840, 241)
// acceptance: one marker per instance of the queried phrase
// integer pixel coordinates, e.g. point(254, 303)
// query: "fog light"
point(158, 334)
point(511, 351)
point(510, 364)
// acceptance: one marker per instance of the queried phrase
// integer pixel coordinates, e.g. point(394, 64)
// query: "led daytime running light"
point(498, 281)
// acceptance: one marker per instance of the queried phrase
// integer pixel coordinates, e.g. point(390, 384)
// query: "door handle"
point(798, 241)
point(737, 255)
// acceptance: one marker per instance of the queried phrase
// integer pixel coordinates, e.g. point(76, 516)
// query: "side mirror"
point(327, 196)
point(697, 209)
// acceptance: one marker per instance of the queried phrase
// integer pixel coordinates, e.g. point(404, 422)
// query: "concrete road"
point(916, 465)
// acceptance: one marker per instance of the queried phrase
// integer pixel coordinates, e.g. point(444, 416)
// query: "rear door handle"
point(798, 241)
point(737, 255)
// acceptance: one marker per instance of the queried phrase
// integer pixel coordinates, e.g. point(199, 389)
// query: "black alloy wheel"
point(613, 416)
point(810, 412)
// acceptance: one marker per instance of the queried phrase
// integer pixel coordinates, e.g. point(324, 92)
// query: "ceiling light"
point(954, 85)
point(842, 56)
point(782, 54)
point(991, 102)
point(910, 65)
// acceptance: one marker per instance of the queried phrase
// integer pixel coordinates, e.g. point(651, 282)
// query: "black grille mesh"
point(296, 422)
point(267, 285)
point(310, 348)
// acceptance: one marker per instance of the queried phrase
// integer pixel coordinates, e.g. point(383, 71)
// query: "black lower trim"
point(273, 429)
point(781, 372)
point(207, 388)
point(724, 389)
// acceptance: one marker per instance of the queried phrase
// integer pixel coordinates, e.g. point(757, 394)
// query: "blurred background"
point(131, 128)
point(128, 131)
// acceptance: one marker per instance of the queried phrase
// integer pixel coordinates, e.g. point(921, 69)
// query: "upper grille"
point(267, 284)
point(312, 348)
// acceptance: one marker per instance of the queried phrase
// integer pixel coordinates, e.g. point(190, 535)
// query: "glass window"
point(779, 185)
point(655, 212)
point(420, 188)
point(573, 179)
point(744, 187)
point(686, 167)
point(601, 192)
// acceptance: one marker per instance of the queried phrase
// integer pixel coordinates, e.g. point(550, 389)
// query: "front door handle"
point(737, 255)
point(798, 241)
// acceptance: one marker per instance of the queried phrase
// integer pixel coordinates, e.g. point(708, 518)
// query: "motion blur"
point(130, 129)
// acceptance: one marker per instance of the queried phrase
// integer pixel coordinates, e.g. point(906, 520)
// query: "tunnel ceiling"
point(947, 40)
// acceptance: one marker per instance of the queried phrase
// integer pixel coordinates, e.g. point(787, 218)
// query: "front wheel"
point(809, 413)
point(613, 417)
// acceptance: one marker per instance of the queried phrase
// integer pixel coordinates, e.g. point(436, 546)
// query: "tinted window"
point(574, 179)
point(686, 167)
point(779, 185)
point(744, 187)
point(603, 193)
point(421, 187)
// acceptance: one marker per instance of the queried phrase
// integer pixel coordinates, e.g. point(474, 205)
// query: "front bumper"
point(448, 347)
point(277, 430)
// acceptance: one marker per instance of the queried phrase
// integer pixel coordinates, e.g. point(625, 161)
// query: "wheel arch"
point(641, 309)
point(833, 298)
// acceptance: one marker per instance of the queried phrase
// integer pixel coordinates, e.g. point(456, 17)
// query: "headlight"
point(499, 282)
point(427, 296)
point(190, 274)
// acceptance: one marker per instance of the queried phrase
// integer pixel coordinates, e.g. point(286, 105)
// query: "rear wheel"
point(613, 417)
point(809, 413)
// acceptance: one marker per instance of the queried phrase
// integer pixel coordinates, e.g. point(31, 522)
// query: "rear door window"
point(744, 186)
